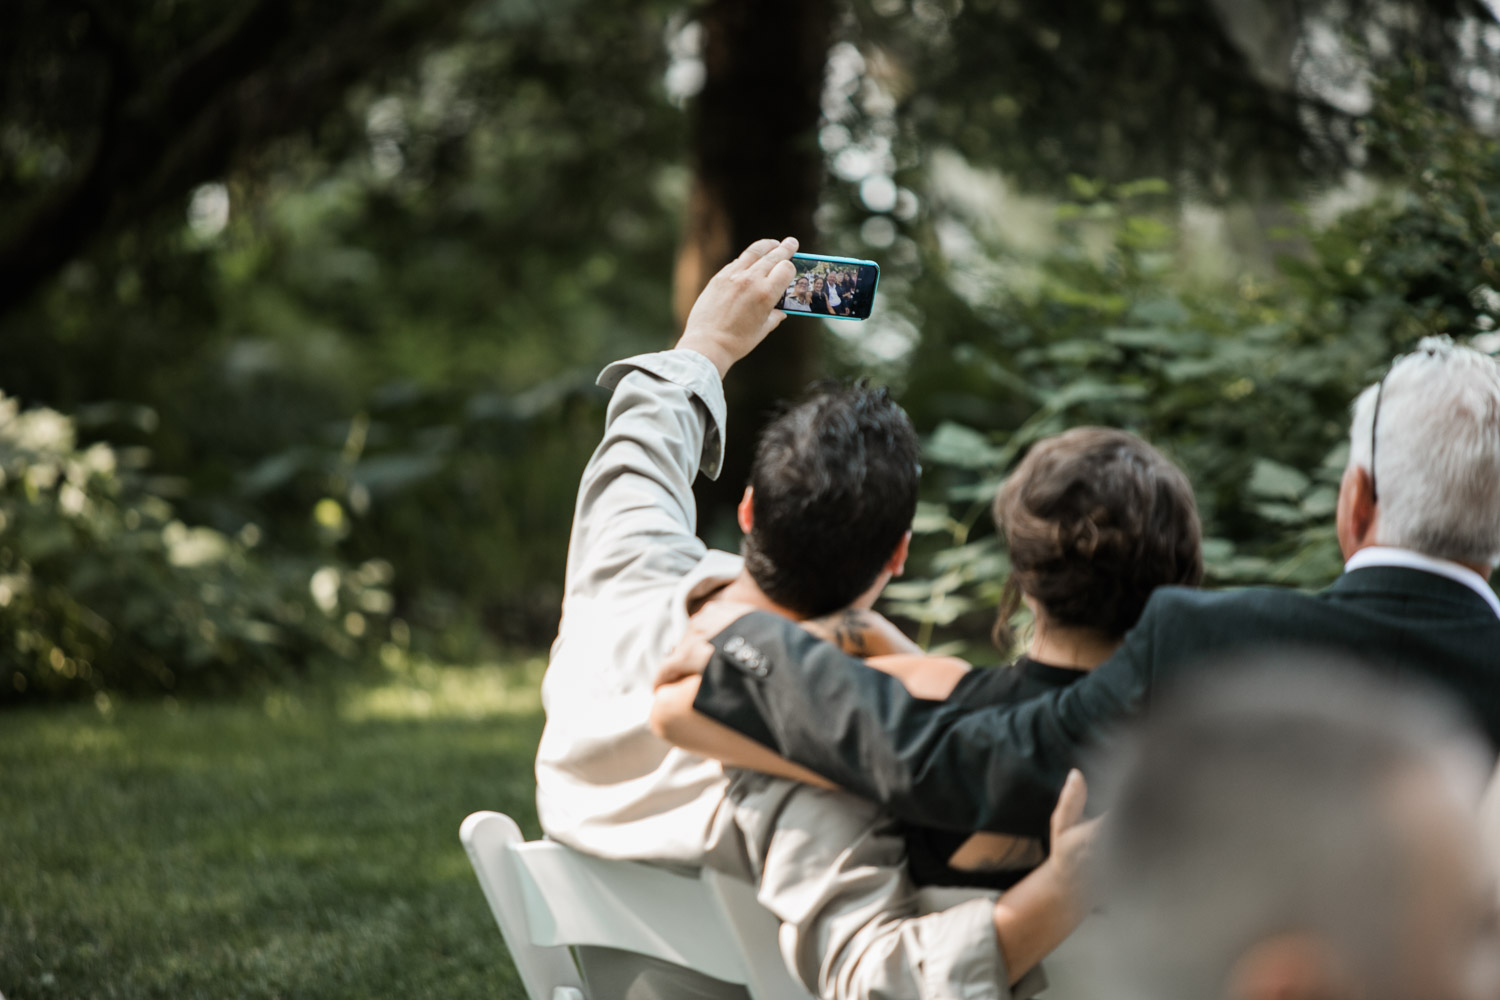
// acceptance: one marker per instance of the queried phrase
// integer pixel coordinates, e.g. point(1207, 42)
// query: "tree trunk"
point(758, 171)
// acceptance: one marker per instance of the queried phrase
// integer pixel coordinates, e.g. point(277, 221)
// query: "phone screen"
point(833, 287)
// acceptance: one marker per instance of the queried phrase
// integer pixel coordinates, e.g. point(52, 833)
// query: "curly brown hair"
point(1095, 519)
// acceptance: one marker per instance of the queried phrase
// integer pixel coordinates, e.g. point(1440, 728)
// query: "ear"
point(745, 512)
point(1289, 967)
point(1357, 511)
point(896, 564)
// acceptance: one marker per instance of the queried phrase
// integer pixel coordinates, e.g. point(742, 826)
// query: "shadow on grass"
point(302, 843)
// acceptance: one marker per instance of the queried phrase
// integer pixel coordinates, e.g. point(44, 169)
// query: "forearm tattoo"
point(852, 633)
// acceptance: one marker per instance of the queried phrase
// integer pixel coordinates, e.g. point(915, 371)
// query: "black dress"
point(929, 848)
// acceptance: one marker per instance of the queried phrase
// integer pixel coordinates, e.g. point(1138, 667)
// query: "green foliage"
point(369, 338)
point(385, 351)
point(1224, 97)
point(103, 589)
point(1246, 386)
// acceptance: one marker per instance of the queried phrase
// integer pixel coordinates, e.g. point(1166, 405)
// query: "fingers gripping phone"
point(831, 287)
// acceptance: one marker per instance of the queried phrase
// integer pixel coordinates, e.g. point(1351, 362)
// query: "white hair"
point(1437, 457)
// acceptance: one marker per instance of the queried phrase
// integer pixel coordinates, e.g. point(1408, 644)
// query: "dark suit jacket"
point(1000, 767)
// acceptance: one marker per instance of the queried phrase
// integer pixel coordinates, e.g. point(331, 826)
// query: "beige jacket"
point(832, 868)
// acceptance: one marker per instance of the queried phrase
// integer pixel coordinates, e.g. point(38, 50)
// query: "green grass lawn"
point(298, 844)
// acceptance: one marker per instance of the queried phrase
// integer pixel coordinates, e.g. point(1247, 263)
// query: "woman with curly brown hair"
point(1094, 520)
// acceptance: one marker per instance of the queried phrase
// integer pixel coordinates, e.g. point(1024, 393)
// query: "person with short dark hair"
point(798, 296)
point(1296, 829)
point(827, 518)
point(832, 492)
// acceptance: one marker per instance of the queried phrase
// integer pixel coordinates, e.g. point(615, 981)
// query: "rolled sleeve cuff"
point(697, 375)
point(968, 964)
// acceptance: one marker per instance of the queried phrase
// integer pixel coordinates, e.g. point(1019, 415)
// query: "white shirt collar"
point(1387, 555)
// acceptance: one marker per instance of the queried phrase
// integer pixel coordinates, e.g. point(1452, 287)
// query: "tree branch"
point(252, 80)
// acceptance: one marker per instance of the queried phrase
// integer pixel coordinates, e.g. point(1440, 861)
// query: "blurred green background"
point(301, 303)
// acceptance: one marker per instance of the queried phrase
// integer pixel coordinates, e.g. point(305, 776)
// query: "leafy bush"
point(103, 589)
point(1247, 386)
point(469, 495)
point(373, 353)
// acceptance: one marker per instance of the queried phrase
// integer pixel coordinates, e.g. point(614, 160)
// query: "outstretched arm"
point(998, 767)
point(666, 423)
point(673, 719)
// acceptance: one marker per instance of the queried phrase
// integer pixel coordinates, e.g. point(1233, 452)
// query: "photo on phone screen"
point(832, 287)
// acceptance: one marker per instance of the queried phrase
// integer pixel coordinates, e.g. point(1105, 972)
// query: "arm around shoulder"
point(666, 421)
point(674, 720)
point(997, 767)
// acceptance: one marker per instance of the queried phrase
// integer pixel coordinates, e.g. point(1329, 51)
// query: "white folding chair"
point(547, 898)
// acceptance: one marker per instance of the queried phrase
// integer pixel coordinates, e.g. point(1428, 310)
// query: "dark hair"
point(1095, 519)
point(835, 479)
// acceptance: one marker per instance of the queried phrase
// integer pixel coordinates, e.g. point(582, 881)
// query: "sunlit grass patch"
point(417, 688)
point(298, 843)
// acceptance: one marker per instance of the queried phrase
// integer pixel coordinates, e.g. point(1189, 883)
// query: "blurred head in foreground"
point(1298, 832)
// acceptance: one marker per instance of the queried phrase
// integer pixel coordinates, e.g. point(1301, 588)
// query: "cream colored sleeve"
point(636, 515)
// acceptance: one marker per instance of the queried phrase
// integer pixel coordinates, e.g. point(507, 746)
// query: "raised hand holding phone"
point(737, 308)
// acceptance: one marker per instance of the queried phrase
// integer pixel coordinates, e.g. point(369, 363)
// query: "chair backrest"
point(547, 897)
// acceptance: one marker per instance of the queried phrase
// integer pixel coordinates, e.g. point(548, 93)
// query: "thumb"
point(1070, 803)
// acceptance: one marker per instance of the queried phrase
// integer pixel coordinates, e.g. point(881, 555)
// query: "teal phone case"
point(842, 260)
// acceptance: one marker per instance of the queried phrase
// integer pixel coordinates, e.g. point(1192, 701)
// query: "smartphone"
point(831, 287)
